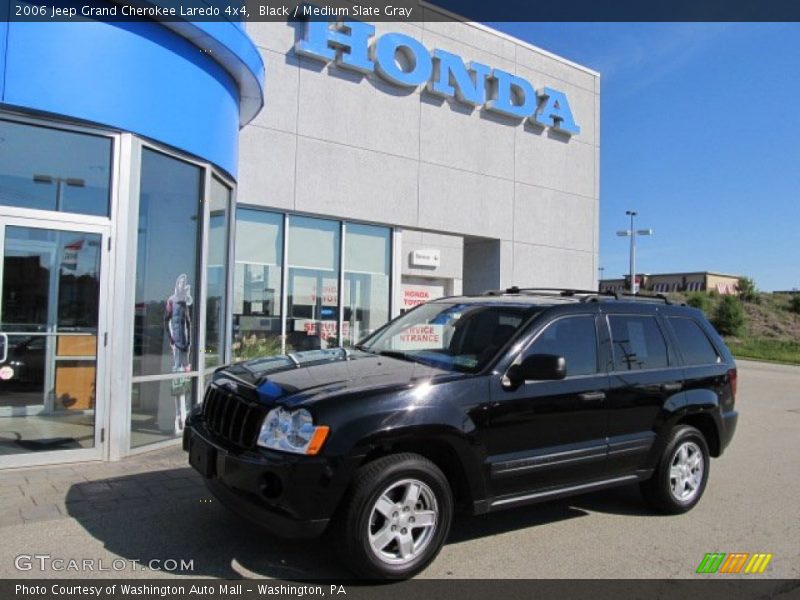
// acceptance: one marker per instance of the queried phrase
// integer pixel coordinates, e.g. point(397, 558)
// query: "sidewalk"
point(141, 513)
point(64, 491)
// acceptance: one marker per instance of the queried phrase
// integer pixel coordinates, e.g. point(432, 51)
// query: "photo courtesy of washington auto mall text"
point(399, 299)
point(152, 589)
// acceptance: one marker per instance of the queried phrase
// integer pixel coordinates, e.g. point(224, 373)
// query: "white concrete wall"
point(336, 143)
point(450, 248)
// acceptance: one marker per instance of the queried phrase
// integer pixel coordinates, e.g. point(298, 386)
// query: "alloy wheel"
point(686, 472)
point(403, 521)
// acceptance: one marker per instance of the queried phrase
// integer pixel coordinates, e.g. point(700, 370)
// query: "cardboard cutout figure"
point(178, 327)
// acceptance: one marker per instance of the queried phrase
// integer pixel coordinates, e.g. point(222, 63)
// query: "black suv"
point(474, 402)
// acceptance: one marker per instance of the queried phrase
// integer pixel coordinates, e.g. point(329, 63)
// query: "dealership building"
point(662, 283)
point(174, 196)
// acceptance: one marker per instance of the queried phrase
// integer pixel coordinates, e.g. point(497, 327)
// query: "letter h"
point(321, 42)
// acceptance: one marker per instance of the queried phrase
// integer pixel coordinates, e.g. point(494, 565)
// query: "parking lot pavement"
point(145, 512)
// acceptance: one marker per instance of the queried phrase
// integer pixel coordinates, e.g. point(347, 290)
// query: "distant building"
point(701, 281)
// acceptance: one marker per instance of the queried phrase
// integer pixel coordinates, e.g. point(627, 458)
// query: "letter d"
point(514, 96)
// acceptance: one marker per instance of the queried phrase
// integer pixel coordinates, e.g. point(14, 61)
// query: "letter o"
point(386, 50)
point(170, 564)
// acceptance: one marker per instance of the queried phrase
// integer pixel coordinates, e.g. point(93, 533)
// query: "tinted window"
point(368, 252)
point(216, 272)
point(575, 339)
point(638, 343)
point(313, 302)
point(693, 342)
point(164, 339)
point(257, 280)
point(51, 169)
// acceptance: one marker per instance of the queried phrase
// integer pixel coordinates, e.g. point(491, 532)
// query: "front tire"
point(396, 517)
point(680, 478)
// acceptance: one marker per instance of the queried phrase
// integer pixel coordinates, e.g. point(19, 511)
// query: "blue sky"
point(700, 133)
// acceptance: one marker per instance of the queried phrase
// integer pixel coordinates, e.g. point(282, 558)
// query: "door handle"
point(671, 387)
point(4, 355)
point(592, 396)
point(488, 405)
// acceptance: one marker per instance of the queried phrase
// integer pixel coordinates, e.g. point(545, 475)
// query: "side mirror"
point(537, 367)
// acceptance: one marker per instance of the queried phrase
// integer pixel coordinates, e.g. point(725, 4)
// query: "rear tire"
point(396, 517)
point(680, 478)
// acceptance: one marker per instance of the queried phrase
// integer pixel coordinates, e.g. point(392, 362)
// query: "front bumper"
point(291, 496)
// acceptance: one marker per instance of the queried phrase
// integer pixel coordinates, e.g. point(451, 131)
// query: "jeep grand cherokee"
point(477, 402)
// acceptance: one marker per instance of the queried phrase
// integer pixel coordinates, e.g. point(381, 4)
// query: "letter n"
point(470, 81)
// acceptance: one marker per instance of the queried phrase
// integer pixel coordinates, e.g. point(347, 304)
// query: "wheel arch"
point(705, 423)
point(444, 447)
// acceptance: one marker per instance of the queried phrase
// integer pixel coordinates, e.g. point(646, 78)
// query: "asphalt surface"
point(752, 504)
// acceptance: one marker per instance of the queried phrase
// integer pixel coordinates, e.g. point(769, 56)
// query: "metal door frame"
point(66, 222)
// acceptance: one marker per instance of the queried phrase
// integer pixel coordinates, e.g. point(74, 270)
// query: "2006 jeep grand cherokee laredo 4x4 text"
point(479, 402)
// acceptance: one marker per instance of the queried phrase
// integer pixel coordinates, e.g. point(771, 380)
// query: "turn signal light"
point(320, 434)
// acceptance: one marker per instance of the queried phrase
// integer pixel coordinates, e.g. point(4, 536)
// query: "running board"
point(551, 494)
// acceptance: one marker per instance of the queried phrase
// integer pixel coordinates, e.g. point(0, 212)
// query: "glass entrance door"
point(51, 376)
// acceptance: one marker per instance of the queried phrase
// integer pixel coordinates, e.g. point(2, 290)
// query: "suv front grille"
point(232, 418)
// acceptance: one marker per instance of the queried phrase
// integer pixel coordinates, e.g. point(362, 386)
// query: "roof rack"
point(587, 295)
point(542, 291)
point(637, 296)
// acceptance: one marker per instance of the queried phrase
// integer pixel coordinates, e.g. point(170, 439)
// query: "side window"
point(695, 346)
point(575, 339)
point(638, 343)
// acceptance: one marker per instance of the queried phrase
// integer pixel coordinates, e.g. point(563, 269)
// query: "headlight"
point(291, 431)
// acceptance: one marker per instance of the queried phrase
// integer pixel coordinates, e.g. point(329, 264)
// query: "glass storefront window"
point(313, 286)
point(53, 169)
point(216, 273)
point(257, 280)
point(366, 280)
point(167, 267)
point(159, 409)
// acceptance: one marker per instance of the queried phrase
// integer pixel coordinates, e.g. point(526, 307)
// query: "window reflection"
point(216, 272)
point(167, 267)
point(257, 284)
point(50, 292)
point(313, 286)
point(366, 278)
point(314, 268)
point(52, 169)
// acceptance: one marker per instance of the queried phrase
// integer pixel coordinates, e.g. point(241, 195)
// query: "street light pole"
point(632, 233)
point(632, 214)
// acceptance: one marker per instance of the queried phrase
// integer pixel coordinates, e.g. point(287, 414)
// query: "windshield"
point(452, 336)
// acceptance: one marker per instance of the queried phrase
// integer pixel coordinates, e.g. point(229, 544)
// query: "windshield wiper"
point(397, 354)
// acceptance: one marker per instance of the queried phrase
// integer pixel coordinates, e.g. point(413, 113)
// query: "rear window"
point(638, 343)
point(694, 344)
